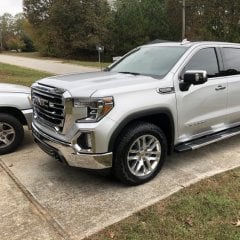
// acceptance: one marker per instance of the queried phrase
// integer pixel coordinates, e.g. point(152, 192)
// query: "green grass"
point(24, 54)
point(37, 55)
point(206, 210)
point(87, 63)
point(19, 75)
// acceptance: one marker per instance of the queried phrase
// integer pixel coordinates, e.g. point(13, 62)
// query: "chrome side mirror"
point(193, 77)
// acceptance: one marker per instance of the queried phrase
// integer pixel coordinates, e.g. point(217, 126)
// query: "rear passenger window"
point(231, 61)
point(205, 59)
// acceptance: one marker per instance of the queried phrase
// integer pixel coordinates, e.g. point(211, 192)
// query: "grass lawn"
point(76, 62)
point(207, 210)
point(23, 54)
point(19, 75)
point(87, 63)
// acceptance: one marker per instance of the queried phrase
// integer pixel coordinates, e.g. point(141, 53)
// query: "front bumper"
point(64, 152)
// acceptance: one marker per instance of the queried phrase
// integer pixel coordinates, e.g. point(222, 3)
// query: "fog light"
point(85, 141)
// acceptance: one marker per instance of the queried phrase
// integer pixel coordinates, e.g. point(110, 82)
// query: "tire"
point(136, 162)
point(11, 133)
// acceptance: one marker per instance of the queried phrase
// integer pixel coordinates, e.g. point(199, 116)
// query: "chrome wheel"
point(144, 155)
point(7, 135)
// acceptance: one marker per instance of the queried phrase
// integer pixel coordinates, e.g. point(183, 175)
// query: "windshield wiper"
point(132, 73)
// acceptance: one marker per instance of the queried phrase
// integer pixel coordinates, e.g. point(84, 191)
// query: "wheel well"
point(14, 112)
point(162, 120)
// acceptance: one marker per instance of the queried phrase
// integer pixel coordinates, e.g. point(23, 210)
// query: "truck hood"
point(12, 88)
point(86, 84)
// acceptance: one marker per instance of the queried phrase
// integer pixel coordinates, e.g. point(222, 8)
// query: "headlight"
point(94, 110)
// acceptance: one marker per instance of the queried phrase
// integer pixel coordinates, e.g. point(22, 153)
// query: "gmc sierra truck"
point(156, 99)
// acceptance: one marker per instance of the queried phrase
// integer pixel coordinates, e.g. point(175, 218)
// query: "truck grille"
point(48, 106)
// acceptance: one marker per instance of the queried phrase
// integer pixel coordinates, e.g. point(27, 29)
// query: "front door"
point(202, 109)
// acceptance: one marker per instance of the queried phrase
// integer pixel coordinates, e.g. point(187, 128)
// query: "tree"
point(13, 35)
point(137, 22)
point(7, 29)
point(64, 28)
point(15, 43)
point(220, 21)
point(206, 20)
point(74, 27)
point(173, 15)
point(128, 26)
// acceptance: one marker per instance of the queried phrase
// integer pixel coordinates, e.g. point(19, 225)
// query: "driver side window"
point(205, 59)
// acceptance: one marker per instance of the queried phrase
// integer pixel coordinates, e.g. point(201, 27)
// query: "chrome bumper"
point(65, 153)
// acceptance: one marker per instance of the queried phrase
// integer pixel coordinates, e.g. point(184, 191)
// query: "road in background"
point(50, 66)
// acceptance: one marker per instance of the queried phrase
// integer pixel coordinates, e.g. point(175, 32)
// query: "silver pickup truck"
point(15, 112)
point(156, 99)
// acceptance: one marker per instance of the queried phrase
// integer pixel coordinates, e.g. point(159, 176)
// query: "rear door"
point(231, 59)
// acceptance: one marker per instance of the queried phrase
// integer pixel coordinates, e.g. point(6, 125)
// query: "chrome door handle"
point(220, 88)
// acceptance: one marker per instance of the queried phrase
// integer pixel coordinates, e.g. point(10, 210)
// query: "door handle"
point(219, 88)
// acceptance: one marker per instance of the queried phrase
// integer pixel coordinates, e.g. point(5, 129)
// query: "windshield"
point(150, 60)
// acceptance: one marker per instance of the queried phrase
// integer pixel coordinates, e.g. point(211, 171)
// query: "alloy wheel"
point(144, 155)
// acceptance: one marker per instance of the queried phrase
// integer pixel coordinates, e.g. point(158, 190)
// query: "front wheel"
point(11, 133)
point(140, 154)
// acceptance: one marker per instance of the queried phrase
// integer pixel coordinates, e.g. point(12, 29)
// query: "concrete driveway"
point(43, 199)
point(51, 66)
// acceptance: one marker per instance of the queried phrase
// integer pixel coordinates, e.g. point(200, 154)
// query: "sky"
point(10, 6)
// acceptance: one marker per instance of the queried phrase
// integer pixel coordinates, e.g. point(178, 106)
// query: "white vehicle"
point(15, 112)
point(156, 99)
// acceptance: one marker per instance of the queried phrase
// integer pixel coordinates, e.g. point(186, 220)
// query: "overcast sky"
point(10, 6)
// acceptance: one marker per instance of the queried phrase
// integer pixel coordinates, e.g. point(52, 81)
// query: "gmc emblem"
point(40, 102)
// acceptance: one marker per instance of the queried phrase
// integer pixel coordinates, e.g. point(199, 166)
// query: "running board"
point(201, 142)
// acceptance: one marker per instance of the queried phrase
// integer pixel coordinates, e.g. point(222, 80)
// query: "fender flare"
point(138, 115)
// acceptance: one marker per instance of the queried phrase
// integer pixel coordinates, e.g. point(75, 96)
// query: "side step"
point(201, 142)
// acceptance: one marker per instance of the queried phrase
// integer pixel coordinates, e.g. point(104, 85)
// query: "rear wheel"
point(140, 154)
point(11, 133)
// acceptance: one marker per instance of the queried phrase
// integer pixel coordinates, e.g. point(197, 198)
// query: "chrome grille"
point(48, 106)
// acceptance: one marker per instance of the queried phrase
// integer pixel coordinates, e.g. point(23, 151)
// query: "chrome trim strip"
point(49, 95)
point(224, 136)
point(68, 111)
point(207, 133)
point(209, 139)
point(52, 113)
point(167, 90)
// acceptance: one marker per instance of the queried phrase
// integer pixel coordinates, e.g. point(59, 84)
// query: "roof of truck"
point(191, 44)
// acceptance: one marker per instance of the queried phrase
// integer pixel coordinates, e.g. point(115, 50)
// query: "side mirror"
point(193, 77)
